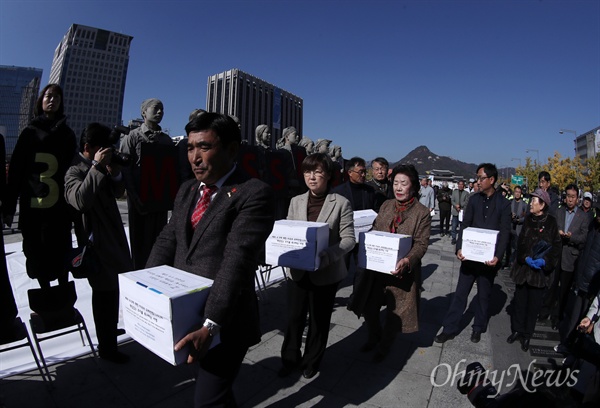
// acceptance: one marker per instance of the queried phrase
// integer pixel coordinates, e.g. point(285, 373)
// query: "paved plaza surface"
point(348, 378)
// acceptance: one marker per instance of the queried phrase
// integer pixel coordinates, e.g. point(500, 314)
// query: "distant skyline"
point(473, 80)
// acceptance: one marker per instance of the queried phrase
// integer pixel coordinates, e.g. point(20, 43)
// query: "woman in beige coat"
point(399, 290)
point(313, 293)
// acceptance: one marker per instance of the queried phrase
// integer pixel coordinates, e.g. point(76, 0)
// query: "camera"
point(527, 393)
point(476, 385)
point(118, 157)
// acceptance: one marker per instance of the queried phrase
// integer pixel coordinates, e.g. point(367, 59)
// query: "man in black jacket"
point(380, 182)
point(444, 197)
point(489, 210)
point(360, 195)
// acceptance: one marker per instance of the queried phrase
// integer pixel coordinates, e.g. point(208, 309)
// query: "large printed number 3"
point(46, 178)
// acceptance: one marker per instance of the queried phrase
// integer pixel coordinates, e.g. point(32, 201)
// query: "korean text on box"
point(380, 251)
point(297, 244)
point(161, 305)
point(479, 244)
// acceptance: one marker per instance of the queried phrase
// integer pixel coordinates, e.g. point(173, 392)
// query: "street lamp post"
point(516, 158)
point(537, 152)
point(562, 131)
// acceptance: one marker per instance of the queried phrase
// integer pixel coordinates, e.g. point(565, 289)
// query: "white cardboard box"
point(161, 305)
point(479, 244)
point(363, 221)
point(297, 244)
point(380, 251)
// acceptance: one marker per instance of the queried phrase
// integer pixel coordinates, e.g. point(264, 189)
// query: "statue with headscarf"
point(308, 144)
point(289, 138)
point(263, 136)
point(322, 146)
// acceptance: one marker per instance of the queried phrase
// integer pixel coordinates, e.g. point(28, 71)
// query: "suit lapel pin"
point(233, 190)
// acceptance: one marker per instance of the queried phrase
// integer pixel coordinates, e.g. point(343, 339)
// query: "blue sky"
point(474, 80)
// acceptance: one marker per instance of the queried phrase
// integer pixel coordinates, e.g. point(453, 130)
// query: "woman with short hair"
point(398, 290)
point(312, 293)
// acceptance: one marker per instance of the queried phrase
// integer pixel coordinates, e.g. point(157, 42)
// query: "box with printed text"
point(363, 221)
point(161, 305)
point(297, 244)
point(479, 244)
point(380, 251)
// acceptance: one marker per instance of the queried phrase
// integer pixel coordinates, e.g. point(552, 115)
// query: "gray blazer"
point(579, 230)
point(337, 212)
point(460, 199)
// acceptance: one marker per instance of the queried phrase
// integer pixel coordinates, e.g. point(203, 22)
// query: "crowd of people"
point(226, 206)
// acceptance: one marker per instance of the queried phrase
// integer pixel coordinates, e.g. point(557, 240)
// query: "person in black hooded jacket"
point(41, 157)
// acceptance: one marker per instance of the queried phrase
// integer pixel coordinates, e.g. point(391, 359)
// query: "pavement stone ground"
point(348, 378)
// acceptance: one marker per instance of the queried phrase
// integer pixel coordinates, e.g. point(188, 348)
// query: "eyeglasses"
point(361, 172)
point(481, 178)
point(316, 173)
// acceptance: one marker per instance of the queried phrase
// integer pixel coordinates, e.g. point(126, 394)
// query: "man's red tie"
point(202, 204)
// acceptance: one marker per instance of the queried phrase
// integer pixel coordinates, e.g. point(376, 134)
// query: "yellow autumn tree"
point(586, 174)
point(591, 174)
point(529, 172)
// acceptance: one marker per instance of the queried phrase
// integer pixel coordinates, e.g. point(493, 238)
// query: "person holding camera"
point(91, 185)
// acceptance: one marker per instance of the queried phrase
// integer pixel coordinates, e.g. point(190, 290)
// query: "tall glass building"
point(19, 88)
point(90, 64)
point(254, 102)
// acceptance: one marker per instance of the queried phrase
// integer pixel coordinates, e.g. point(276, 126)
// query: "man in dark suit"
point(487, 209)
point(219, 225)
point(380, 182)
point(360, 195)
point(573, 226)
point(544, 182)
point(355, 190)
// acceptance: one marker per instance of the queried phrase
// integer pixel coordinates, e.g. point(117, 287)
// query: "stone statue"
point(335, 152)
point(196, 112)
point(308, 144)
point(289, 138)
point(144, 224)
point(236, 120)
point(322, 146)
point(263, 136)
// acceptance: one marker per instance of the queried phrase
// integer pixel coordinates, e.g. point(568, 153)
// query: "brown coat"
point(417, 223)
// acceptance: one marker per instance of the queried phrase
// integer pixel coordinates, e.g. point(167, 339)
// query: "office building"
point(90, 64)
point(19, 88)
point(588, 144)
point(254, 102)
